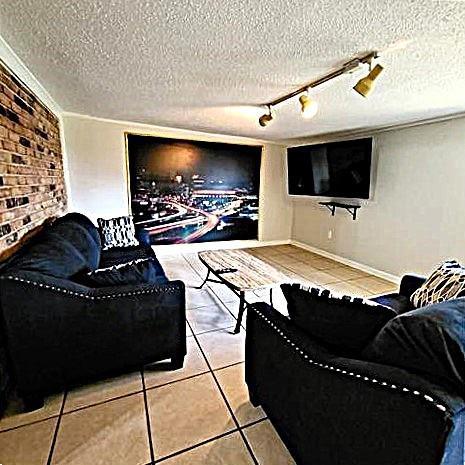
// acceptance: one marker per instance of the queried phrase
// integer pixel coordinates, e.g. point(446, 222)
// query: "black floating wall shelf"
point(331, 206)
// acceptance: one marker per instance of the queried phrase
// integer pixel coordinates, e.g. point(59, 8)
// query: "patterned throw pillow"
point(117, 232)
point(447, 282)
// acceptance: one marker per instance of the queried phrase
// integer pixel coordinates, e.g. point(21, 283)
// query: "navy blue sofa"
point(60, 332)
point(333, 409)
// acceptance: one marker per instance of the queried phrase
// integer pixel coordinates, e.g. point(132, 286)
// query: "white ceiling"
point(203, 64)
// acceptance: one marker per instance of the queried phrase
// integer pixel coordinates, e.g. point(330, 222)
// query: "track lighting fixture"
point(309, 106)
point(266, 118)
point(365, 86)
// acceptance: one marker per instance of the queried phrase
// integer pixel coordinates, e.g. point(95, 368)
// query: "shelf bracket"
point(332, 206)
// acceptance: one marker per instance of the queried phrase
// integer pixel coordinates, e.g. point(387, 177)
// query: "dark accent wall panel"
point(32, 186)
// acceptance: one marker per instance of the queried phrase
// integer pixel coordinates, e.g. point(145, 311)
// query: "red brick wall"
point(31, 164)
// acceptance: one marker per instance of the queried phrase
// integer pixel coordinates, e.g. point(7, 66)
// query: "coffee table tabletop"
point(241, 270)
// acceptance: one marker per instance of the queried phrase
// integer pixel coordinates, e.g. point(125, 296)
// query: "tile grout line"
point(147, 417)
point(34, 422)
point(55, 434)
point(195, 446)
point(246, 442)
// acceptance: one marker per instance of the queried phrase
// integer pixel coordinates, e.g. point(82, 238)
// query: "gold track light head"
point(366, 85)
point(309, 107)
point(266, 118)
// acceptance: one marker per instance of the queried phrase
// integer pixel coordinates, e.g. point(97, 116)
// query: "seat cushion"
point(399, 303)
point(119, 255)
point(346, 324)
point(145, 270)
point(429, 341)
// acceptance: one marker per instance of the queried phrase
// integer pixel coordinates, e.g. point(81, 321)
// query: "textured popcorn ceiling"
point(203, 64)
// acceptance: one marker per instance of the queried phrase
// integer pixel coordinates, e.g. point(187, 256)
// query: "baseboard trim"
point(359, 266)
point(172, 249)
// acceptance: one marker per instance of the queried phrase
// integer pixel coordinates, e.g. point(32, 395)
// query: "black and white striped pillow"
point(445, 283)
point(117, 232)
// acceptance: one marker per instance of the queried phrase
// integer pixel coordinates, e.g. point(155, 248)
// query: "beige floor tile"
point(301, 267)
point(223, 293)
point(285, 248)
point(324, 263)
point(232, 381)
point(28, 445)
point(194, 364)
point(344, 273)
point(270, 251)
point(229, 450)
point(346, 288)
point(284, 260)
point(200, 297)
point(114, 432)
point(320, 277)
point(15, 415)
point(186, 413)
point(375, 285)
point(267, 445)
point(223, 348)
point(209, 318)
point(103, 390)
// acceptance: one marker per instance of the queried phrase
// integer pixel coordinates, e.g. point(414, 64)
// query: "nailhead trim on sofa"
point(155, 290)
point(388, 385)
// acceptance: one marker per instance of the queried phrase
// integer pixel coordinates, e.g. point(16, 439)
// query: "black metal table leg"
point(271, 296)
point(241, 312)
point(205, 280)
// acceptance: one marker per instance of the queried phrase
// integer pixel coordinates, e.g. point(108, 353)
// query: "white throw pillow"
point(445, 283)
point(117, 232)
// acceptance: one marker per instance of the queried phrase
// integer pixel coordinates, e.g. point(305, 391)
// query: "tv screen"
point(337, 169)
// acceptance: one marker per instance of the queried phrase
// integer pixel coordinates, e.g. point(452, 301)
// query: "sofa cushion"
point(344, 323)
point(117, 232)
point(446, 282)
point(85, 222)
point(119, 255)
point(429, 341)
point(80, 238)
point(52, 256)
point(63, 249)
point(145, 270)
point(399, 303)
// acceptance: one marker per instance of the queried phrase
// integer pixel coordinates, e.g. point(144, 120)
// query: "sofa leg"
point(32, 402)
point(177, 362)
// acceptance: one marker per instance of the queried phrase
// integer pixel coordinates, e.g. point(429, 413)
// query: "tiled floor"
point(197, 415)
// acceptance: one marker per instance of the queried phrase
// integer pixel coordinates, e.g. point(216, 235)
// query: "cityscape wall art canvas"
point(189, 191)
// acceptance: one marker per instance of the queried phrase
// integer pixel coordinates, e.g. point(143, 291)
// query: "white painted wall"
point(417, 216)
point(98, 175)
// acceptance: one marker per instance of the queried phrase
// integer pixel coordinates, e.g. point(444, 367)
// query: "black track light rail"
point(347, 67)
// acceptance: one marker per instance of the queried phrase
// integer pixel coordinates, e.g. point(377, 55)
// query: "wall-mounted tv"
point(336, 169)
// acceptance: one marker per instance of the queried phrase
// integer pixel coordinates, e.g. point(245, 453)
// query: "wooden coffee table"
point(241, 273)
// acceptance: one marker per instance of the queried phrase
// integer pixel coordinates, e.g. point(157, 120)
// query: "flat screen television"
point(336, 169)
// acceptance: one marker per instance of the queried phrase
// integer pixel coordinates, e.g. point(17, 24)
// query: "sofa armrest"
point(339, 410)
point(59, 332)
point(410, 283)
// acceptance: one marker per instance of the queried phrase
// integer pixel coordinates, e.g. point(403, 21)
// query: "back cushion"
point(345, 323)
point(80, 238)
point(64, 249)
point(429, 341)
